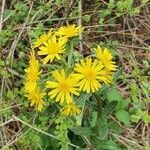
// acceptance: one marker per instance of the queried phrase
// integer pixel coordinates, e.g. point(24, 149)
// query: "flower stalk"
point(99, 104)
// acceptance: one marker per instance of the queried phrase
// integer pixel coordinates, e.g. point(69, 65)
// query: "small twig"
point(2, 110)
point(2, 88)
point(72, 3)
point(89, 145)
point(54, 19)
point(129, 46)
point(80, 23)
point(14, 72)
point(16, 41)
point(122, 141)
point(11, 14)
point(40, 131)
point(14, 139)
point(133, 131)
point(127, 140)
point(104, 2)
point(1, 15)
point(133, 33)
point(6, 122)
point(101, 25)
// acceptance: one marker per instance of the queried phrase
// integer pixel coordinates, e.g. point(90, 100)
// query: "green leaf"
point(94, 118)
point(109, 108)
point(146, 118)
point(102, 127)
point(144, 1)
point(114, 95)
point(81, 103)
point(147, 147)
point(123, 116)
point(111, 4)
point(107, 145)
point(135, 118)
point(114, 127)
point(128, 5)
point(122, 104)
point(81, 131)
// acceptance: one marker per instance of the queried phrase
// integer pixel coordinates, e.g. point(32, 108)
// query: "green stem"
point(70, 52)
point(99, 104)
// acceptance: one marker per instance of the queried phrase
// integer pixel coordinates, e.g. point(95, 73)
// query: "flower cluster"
point(88, 75)
point(105, 58)
point(52, 44)
point(31, 85)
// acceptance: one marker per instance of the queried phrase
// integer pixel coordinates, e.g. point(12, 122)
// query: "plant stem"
point(99, 104)
point(70, 53)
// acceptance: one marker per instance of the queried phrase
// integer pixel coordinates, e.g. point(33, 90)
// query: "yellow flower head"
point(43, 38)
point(69, 31)
point(36, 99)
point(90, 74)
point(70, 110)
point(63, 88)
point(105, 57)
point(52, 49)
point(109, 75)
point(32, 73)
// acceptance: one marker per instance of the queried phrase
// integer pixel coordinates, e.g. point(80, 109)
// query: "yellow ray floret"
point(53, 48)
point(43, 38)
point(31, 85)
point(109, 75)
point(63, 88)
point(69, 31)
point(105, 57)
point(70, 110)
point(90, 75)
point(36, 98)
point(32, 73)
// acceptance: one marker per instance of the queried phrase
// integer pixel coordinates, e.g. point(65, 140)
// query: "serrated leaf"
point(81, 131)
point(94, 118)
point(122, 104)
point(114, 95)
point(109, 108)
point(109, 145)
point(123, 116)
point(114, 127)
point(146, 118)
point(102, 127)
point(111, 4)
point(81, 102)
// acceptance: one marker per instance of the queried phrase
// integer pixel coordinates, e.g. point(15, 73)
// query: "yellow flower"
point(32, 73)
point(31, 85)
point(63, 88)
point(70, 110)
point(36, 98)
point(90, 74)
point(109, 75)
point(105, 57)
point(53, 48)
point(43, 38)
point(69, 31)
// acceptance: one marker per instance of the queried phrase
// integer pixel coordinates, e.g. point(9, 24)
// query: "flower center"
point(64, 87)
point(53, 48)
point(89, 75)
